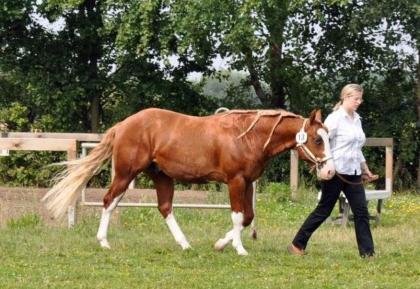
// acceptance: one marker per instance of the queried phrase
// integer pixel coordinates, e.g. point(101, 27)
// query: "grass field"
point(144, 255)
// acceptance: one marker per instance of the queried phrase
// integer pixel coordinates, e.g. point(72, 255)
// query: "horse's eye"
point(318, 140)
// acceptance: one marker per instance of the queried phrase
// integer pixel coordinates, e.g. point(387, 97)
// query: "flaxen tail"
point(70, 183)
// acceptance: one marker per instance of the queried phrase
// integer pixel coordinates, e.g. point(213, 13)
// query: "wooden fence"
point(68, 145)
point(370, 142)
point(371, 195)
point(68, 142)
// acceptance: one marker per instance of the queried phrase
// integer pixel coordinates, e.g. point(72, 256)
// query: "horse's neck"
point(284, 136)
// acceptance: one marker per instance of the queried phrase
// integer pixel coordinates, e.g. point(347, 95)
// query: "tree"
point(249, 33)
point(110, 58)
point(87, 71)
point(373, 43)
point(307, 50)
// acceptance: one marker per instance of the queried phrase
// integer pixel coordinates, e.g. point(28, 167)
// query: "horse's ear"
point(315, 116)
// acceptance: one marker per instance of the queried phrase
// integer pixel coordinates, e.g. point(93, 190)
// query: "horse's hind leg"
point(111, 199)
point(165, 192)
point(254, 202)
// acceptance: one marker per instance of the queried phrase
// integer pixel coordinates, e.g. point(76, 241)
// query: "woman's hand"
point(367, 175)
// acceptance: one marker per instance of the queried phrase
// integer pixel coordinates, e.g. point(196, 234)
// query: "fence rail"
point(68, 142)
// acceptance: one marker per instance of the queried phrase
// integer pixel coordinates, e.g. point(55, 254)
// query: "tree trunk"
point(276, 14)
point(94, 113)
point(93, 54)
point(254, 77)
point(277, 83)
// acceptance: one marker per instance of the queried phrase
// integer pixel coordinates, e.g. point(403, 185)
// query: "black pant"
point(355, 194)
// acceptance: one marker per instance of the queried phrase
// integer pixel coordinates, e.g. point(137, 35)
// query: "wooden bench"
point(371, 195)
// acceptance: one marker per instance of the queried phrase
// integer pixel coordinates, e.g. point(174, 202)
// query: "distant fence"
point(370, 194)
point(68, 145)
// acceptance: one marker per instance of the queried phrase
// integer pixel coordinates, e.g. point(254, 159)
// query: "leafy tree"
point(87, 70)
point(108, 59)
point(375, 44)
point(307, 50)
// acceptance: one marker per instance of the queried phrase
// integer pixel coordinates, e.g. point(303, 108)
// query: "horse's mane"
point(280, 113)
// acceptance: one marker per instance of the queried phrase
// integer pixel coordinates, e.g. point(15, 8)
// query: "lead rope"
point(309, 154)
point(347, 181)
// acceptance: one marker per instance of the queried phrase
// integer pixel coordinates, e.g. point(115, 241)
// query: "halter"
point(301, 139)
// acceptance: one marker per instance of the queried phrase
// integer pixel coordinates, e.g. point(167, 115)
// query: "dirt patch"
point(16, 202)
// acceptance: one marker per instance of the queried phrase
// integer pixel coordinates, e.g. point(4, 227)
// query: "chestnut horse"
point(231, 147)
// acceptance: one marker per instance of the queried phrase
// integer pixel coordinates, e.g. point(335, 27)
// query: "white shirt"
point(346, 140)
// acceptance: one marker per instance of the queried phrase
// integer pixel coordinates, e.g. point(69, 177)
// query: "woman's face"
point(352, 101)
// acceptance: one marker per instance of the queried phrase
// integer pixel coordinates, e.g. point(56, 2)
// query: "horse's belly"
point(198, 178)
point(188, 173)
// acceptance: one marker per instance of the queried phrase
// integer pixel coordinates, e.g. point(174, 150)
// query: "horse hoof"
point(104, 244)
point(242, 252)
point(186, 246)
point(254, 235)
point(220, 245)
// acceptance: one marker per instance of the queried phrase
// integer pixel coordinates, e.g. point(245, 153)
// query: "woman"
point(346, 141)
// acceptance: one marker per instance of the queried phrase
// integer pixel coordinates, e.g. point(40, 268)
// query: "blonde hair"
point(347, 91)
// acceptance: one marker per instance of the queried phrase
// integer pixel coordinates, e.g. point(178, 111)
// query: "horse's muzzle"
point(326, 171)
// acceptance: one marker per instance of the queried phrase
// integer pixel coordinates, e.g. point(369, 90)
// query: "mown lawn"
point(144, 255)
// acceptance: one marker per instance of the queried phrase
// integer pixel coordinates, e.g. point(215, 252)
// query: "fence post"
point(294, 173)
point(71, 211)
point(388, 167)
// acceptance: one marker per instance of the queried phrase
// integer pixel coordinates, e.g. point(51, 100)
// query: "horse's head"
point(313, 145)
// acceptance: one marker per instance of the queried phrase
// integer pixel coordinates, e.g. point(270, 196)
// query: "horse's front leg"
point(177, 232)
point(237, 187)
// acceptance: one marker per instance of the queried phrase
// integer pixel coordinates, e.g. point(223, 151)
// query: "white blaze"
point(328, 170)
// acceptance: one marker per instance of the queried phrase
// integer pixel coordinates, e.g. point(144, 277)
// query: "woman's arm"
point(365, 168)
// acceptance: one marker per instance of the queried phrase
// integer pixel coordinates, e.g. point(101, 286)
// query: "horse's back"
point(159, 127)
point(184, 147)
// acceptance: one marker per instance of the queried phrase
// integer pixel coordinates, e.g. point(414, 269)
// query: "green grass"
point(144, 255)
